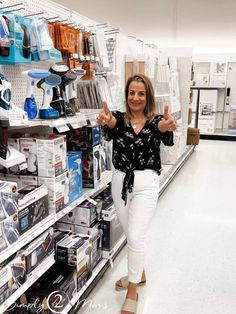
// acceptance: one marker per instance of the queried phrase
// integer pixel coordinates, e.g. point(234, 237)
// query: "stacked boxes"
point(9, 227)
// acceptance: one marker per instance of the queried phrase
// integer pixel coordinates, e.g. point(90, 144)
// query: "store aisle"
point(191, 256)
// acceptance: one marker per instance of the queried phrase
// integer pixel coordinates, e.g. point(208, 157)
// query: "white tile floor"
point(191, 253)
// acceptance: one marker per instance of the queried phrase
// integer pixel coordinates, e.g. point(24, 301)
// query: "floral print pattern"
point(136, 151)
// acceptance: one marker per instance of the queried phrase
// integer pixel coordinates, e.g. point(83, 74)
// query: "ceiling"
point(201, 24)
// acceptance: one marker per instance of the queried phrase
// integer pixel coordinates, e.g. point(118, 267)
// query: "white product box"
point(208, 101)
point(58, 191)
point(9, 231)
point(29, 148)
point(75, 250)
point(28, 180)
point(84, 214)
point(8, 199)
point(52, 156)
point(9, 227)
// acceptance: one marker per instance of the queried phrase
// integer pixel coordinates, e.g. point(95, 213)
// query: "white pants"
point(136, 215)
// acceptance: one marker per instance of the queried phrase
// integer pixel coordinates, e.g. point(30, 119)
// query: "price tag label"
point(81, 58)
point(17, 118)
point(62, 129)
point(87, 58)
point(92, 58)
point(75, 125)
point(23, 166)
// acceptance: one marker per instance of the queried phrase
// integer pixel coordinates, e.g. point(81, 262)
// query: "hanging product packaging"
point(42, 44)
point(15, 41)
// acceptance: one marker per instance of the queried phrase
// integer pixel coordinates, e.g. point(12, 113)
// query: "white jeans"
point(136, 215)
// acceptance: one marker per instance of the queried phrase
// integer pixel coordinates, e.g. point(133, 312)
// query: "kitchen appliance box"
point(35, 252)
point(9, 227)
point(51, 156)
point(58, 191)
point(84, 214)
point(75, 250)
point(12, 277)
point(33, 207)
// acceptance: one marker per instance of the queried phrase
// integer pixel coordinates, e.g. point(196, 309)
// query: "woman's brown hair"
point(150, 108)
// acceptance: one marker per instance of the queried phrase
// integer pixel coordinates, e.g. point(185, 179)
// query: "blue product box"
point(91, 135)
point(17, 43)
point(74, 160)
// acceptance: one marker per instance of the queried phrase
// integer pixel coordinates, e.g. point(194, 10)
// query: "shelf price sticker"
point(23, 166)
point(74, 122)
point(61, 125)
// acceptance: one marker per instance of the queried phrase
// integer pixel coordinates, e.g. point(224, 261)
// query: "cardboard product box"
point(74, 161)
point(105, 197)
point(37, 250)
point(8, 199)
point(12, 276)
point(84, 214)
point(29, 148)
point(91, 135)
point(75, 250)
point(91, 164)
point(95, 232)
point(58, 191)
point(112, 230)
point(16, 47)
point(59, 279)
point(65, 226)
point(51, 153)
point(33, 206)
point(9, 231)
point(28, 180)
point(9, 227)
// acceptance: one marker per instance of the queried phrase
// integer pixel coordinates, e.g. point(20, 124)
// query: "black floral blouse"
point(133, 151)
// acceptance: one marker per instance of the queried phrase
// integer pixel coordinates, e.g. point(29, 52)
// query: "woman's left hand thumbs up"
point(168, 122)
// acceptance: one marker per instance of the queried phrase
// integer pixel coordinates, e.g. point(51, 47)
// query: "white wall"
point(205, 25)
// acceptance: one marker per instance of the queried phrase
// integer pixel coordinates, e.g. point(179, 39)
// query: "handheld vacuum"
point(30, 105)
point(47, 84)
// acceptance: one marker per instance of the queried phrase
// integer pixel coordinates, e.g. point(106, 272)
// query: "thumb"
point(105, 107)
point(166, 111)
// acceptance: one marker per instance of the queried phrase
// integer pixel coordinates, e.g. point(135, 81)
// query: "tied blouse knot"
point(133, 151)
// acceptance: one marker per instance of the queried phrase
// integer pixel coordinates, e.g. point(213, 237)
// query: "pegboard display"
point(19, 81)
point(49, 10)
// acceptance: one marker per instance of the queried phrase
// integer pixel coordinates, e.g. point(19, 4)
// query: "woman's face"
point(136, 97)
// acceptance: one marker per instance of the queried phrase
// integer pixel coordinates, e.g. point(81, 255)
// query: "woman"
point(136, 136)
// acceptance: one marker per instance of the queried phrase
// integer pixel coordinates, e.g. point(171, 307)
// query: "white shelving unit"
point(50, 220)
